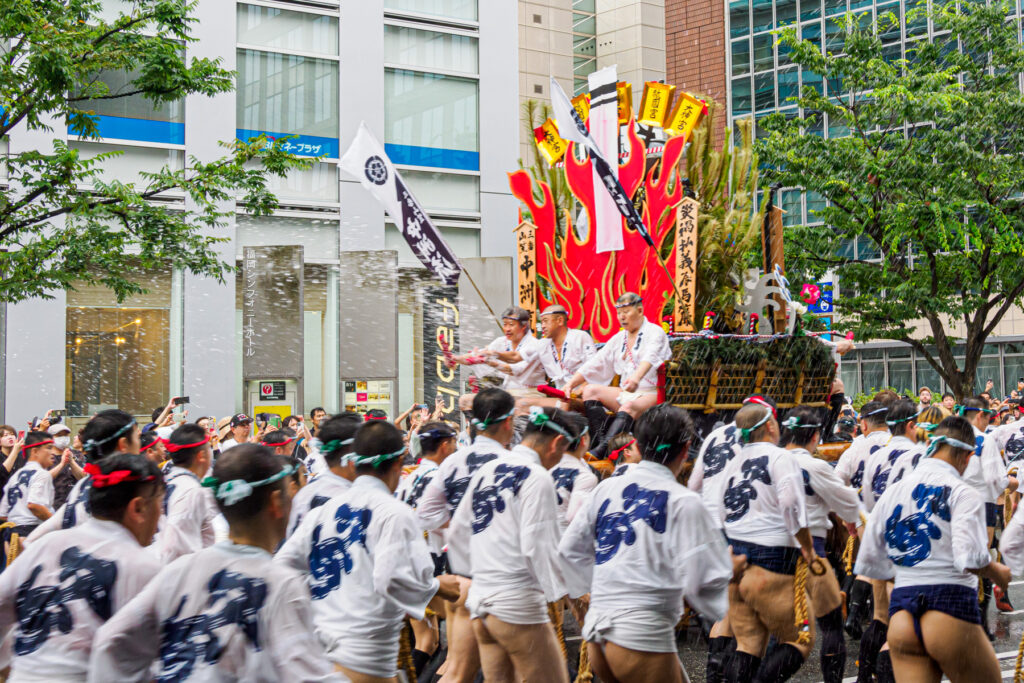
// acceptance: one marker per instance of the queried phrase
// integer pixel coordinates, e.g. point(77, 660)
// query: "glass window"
point(867, 249)
point(289, 95)
point(927, 377)
point(834, 39)
point(740, 57)
point(465, 242)
point(739, 18)
point(812, 80)
point(134, 117)
point(431, 120)
point(846, 250)
point(917, 17)
point(319, 238)
point(850, 374)
point(118, 355)
point(785, 12)
point(440, 192)
point(128, 166)
point(279, 29)
point(889, 24)
point(584, 46)
point(584, 23)
point(1013, 367)
point(791, 208)
point(898, 352)
point(764, 91)
point(815, 203)
point(872, 375)
point(431, 50)
point(900, 377)
point(812, 33)
point(763, 55)
point(762, 15)
point(318, 184)
point(452, 9)
point(989, 368)
point(788, 85)
point(584, 5)
point(740, 96)
point(810, 9)
point(834, 7)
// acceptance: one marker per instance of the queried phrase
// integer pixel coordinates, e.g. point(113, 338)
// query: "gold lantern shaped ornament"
point(685, 115)
point(656, 104)
point(625, 93)
point(581, 103)
point(551, 145)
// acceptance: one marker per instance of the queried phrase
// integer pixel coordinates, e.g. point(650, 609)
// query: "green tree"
point(57, 60)
point(924, 166)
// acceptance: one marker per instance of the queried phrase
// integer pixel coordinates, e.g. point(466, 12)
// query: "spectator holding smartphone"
point(13, 460)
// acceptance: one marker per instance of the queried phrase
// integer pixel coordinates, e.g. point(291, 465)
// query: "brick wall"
point(695, 50)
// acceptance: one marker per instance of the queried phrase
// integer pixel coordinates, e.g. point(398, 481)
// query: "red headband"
point(150, 444)
point(175, 447)
point(370, 418)
point(276, 445)
point(100, 480)
point(614, 455)
point(759, 400)
point(30, 446)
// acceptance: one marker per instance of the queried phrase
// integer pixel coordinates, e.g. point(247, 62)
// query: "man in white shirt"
point(59, 592)
point(365, 561)
point(505, 535)
point(339, 472)
point(241, 432)
point(28, 496)
point(493, 411)
point(227, 612)
point(634, 354)
point(764, 510)
point(189, 507)
point(516, 355)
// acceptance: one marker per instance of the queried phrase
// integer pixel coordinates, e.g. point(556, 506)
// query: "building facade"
point(727, 50)
point(429, 77)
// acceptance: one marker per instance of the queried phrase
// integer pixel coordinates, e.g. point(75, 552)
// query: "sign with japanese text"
point(272, 310)
point(440, 334)
point(526, 247)
point(686, 265)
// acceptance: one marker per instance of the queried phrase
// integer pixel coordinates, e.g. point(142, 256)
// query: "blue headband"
point(93, 443)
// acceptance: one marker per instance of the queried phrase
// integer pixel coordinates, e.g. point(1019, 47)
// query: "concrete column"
point(209, 376)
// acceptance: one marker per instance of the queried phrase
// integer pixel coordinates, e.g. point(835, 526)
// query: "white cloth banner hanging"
point(604, 127)
point(367, 161)
point(572, 128)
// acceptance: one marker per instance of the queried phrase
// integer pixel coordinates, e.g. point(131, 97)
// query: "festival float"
point(734, 330)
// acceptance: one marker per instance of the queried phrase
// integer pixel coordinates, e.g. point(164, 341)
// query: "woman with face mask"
point(68, 469)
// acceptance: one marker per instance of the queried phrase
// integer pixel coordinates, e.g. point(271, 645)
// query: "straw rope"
point(583, 672)
point(1018, 677)
point(803, 622)
point(556, 617)
point(405, 662)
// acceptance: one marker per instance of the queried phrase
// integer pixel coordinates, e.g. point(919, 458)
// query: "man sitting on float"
point(516, 355)
point(634, 354)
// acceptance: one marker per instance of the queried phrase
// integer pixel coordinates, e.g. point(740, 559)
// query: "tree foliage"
point(927, 173)
point(61, 220)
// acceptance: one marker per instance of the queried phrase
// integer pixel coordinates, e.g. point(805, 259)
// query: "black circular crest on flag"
point(376, 170)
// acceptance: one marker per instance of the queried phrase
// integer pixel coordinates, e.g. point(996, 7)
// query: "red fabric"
point(552, 392)
point(175, 447)
point(100, 480)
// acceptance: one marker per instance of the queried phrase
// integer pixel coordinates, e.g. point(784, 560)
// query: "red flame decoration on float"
point(587, 283)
